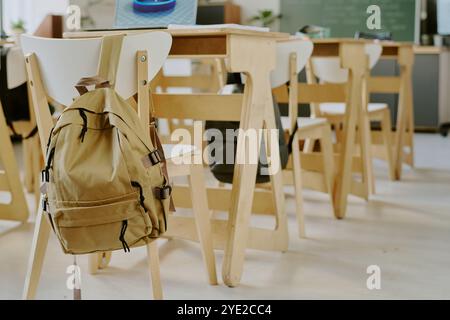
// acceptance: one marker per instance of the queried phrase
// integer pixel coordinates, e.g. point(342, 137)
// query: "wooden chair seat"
point(173, 151)
point(304, 123)
point(339, 108)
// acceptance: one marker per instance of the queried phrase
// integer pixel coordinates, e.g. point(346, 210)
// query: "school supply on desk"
point(132, 14)
point(384, 36)
point(218, 26)
point(443, 19)
point(315, 32)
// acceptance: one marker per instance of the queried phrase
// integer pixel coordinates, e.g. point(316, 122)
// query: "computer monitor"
point(132, 14)
point(443, 17)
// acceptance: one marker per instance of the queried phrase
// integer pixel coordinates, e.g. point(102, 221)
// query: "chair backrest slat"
point(302, 48)
point(15, 66)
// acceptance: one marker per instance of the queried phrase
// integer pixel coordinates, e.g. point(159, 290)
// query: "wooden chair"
point(328, 70)
point(53, 69)
point(50, 27)
point(16, 209)
point(292, 57)
point(17, 76)
point(206, 76)
point(226, 107)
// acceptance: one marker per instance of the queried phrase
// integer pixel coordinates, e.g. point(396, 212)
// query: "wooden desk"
point(352, 57)
point(403, 53)
point(252, 53)
point(193, 43)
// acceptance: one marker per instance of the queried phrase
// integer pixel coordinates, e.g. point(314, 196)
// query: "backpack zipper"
point(126, 248)
point(136, 184)
point(84, 129)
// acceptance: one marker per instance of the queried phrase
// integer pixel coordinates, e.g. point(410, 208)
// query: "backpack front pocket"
point(96, 228)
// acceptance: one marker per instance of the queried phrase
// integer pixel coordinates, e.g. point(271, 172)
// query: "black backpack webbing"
point(4, 92)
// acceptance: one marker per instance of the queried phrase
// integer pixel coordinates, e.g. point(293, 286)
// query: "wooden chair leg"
point(154, 268)
point(309, 145)
point(297, 172)
point(98, 261)
point(38, 249)
point(104, 260)
point(326, 145)
point(38, 164)
point(93, 261)
point(365, 146)
point(202, 219)
point(28, 165)
point(386, 130)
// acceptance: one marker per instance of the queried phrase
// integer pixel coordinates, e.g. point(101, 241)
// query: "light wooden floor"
point(405, 229)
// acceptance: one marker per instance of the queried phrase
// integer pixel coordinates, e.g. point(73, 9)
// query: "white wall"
point(31, 11)
point(250, 8)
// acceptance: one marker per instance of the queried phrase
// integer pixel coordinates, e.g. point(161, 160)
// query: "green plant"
point(18, 25)
point(265, 17)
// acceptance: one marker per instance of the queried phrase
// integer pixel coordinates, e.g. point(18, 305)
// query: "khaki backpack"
point(105, 182)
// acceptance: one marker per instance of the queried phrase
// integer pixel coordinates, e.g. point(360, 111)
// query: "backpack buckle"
point(153, 122)
point(152, 159)
point(163, 193)
point(45, 176)
point(155, 157)
point(44, 205)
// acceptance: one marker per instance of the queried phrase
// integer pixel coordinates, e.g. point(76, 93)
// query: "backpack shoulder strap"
point(107, 66)
point(109, 58)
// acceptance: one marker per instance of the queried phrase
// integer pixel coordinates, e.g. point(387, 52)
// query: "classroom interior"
point(352, 201)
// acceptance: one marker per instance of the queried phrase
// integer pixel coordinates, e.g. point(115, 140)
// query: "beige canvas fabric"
point(106, 187)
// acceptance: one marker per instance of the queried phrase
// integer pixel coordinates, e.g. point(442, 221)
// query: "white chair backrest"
point(63, 62)
point(374, 51)
point(303, 49)
point(329, 69)
point(15, 66)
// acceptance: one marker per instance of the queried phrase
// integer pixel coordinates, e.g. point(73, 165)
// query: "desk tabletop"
point(430, 50)
point(352, 40)
point(181, 33)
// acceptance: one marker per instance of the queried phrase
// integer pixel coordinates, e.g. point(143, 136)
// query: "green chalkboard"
point(345, 17)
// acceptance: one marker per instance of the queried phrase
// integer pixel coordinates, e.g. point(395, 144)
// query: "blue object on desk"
point(154, 5)
point(128, 17)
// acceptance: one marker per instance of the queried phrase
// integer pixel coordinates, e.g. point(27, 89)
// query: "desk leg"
point(353, 57)
point(242, 195)
point(405, 109)
point(256, 57)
